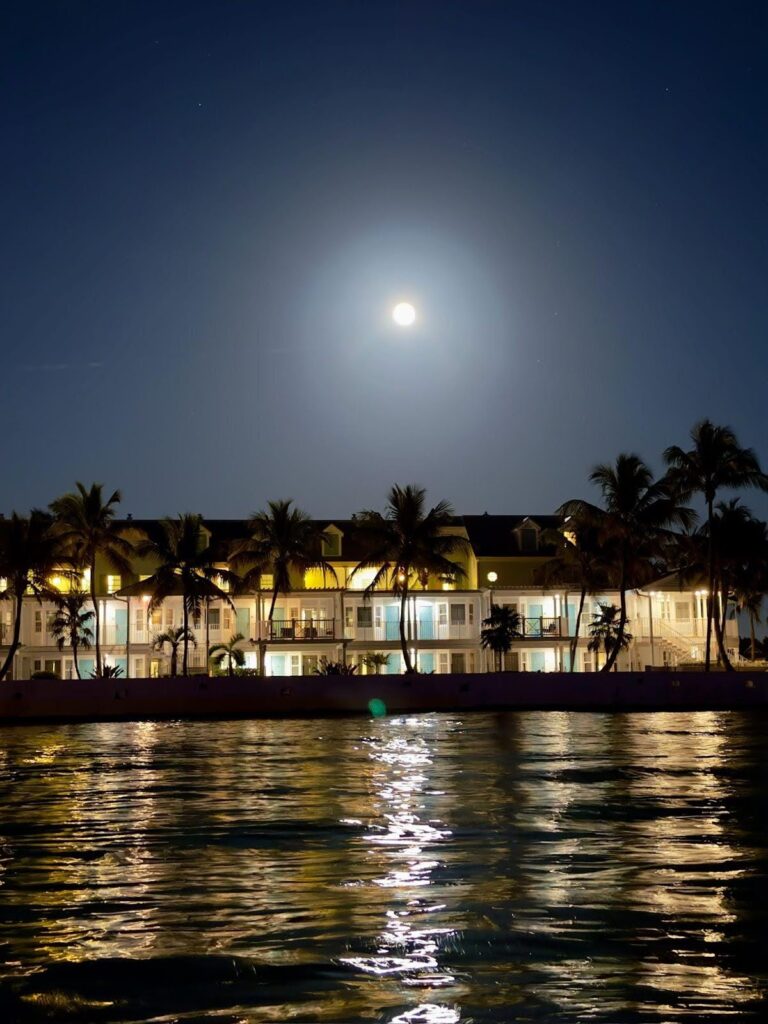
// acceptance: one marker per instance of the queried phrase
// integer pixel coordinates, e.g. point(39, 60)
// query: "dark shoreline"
point(43, 700)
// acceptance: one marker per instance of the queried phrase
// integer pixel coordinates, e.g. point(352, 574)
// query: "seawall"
point(248, 697)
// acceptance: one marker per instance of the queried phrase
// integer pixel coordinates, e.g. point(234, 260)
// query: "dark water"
point(435, 868)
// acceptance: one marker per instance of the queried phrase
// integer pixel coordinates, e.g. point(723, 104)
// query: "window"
point(442, 615)
point(227, 620)
point(49, 617)
point(682, 611)
point(529, 539)
point(349, 617)
point(267, 581)
point(157, 618)
point(364, 617)
point(458, 661)
point(331, 545)
point(169, 618)
point(139, 620)
point(442, 662)
point(471, 614)
point(38, 622)
point(114, 583)
point(362, 579)
point(458, 614)
point(214, 619)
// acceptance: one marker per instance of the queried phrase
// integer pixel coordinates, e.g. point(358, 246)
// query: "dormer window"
point(529, 539)
point(331, 544)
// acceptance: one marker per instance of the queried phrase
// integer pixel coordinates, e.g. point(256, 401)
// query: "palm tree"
point(502, 626)
point(71, 625)
point(174, 638)
point(633, 525)
point(86, 527)
point(186, 568)
point(750, 603)
point(229, 652)
point(607, 633)
point(740, 545)
point(407, 542)
point(580, 562)
point(29, 554)
point(375, 661)
point(715, 461)
point(283, 540)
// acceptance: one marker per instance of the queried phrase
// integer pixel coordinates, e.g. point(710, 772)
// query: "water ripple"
point(427, 869)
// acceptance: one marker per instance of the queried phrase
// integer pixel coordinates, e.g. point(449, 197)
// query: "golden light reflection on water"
point(420, 869)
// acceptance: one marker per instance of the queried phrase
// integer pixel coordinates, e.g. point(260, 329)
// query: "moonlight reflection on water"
point(428, 868)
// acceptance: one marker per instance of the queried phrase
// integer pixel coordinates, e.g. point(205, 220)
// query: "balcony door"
point(391, 622)
point(426, 623)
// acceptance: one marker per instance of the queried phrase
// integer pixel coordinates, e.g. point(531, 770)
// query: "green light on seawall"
point(377, 707)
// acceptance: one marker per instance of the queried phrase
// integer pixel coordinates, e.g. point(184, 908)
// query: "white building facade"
point(339, 620)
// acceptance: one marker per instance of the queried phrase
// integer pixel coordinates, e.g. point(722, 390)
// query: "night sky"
point(209, 209)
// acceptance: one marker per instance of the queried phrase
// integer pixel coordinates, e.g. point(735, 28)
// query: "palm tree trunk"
point(96, 617)
point(719, 623)
point(185, 625)
point(74, 657)
point(711, 591)
point(610, 659)
point(575, 638)
point(752, 645)
point(403, 639)
point(15, 638)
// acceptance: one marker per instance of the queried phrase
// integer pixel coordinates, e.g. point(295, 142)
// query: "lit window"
point(362, 579)
point(214, 619)
point(114, 583)
point(267, 581)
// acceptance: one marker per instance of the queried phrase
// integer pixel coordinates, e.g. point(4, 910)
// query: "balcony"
point(299, 629)
point(542, 627)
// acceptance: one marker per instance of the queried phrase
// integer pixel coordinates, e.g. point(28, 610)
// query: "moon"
point(404, 314)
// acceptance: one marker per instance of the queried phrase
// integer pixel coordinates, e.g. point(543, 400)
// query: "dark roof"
point(494, 535)
point(489, 535)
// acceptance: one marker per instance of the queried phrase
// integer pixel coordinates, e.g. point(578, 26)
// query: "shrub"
point(334, 668)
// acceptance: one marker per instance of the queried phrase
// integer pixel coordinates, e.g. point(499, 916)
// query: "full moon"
point(404, 314)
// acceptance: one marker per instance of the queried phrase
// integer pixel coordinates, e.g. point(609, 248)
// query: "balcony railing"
point(543, 626)
point(299, 629)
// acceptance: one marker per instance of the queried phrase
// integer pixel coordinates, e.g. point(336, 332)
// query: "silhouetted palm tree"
point(637, 511)
point(501, 628)
point(174, 638)
point(283, 540)
point(71, 625)
point(407, 542)
point(581, 562)
point(29, 555)
point(230, 652)
point(186, 568)
point(716, 461)
point(608, 633)
point(87, 530)
point(740, 546)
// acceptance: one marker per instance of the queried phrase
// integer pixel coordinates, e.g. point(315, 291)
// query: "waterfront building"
point(335, 616)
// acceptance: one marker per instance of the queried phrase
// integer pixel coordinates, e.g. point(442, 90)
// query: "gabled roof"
point(495, 535)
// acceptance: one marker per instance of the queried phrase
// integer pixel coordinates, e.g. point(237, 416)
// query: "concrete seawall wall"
point(104, 700)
